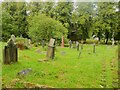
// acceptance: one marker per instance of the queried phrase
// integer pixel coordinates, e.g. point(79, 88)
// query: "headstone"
point(82, 45)
point(77, 45)
point(29, 41)
point(43, 43)
point(113, 41)
point(70, 43)
point(10, 52)
point(51, 49)
point(62, 45)
point(94, 48)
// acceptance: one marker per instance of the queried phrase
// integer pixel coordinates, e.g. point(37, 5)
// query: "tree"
point(84, 21)
point(14, 19)
point(63, 12)
point(43, 27)
point(105, 21)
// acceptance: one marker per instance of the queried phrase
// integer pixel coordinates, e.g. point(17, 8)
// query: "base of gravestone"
point(51, 52)
point(51, 49)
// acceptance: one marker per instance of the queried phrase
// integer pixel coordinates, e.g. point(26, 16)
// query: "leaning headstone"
point(51, 49)
point(10, 52)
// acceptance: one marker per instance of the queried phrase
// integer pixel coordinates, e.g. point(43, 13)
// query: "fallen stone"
point(44, 60)
point(38, 51)
point(63, 52)
point(24, 72)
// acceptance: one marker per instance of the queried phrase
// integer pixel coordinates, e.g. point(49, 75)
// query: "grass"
point(90, 70)
point(0, 65)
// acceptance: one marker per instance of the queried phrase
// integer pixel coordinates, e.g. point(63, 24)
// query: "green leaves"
point(43, 27)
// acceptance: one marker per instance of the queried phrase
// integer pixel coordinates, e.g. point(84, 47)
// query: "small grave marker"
point(70, 43)
point(43, 43)
point(94, 48)
point(51, 49)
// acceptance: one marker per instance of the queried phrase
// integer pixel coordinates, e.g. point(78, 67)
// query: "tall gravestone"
point(51, 49)
point(77, 45)
point(70, 43)
point(10, 52)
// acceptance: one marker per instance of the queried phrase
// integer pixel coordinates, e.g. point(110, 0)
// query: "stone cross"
point(51, 49)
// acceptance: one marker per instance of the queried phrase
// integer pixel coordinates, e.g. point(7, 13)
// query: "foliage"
point(105, 21)
point(43, 27)
point(91, 41)
point(22, 43)
point(14, 19)
point(81, 18)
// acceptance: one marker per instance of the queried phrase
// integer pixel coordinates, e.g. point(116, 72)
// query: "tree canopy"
point(79, 19)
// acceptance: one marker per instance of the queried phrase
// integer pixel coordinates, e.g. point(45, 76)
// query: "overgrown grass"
point(90, 70)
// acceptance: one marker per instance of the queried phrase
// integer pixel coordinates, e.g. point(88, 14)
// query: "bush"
point(22, 43)
point(66, 45)
point(43, 27)
point(91, 41)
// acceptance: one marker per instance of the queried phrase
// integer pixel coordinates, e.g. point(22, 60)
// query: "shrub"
point(66, 45)
point(91, 41)
point(22, 43)
point(43, 27)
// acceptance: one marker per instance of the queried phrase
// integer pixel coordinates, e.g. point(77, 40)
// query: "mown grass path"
point(90, 70)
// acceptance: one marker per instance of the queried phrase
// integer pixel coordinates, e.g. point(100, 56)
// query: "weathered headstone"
point(77, 45)
point(82, 45)
point(13, 38)
point(94, 48)
point(70, 43)
point(62, 45)
point(51, 49)
point(10, 52)
point(43, 43)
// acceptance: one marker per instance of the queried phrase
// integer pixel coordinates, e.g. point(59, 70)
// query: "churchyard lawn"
point(66, 70)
